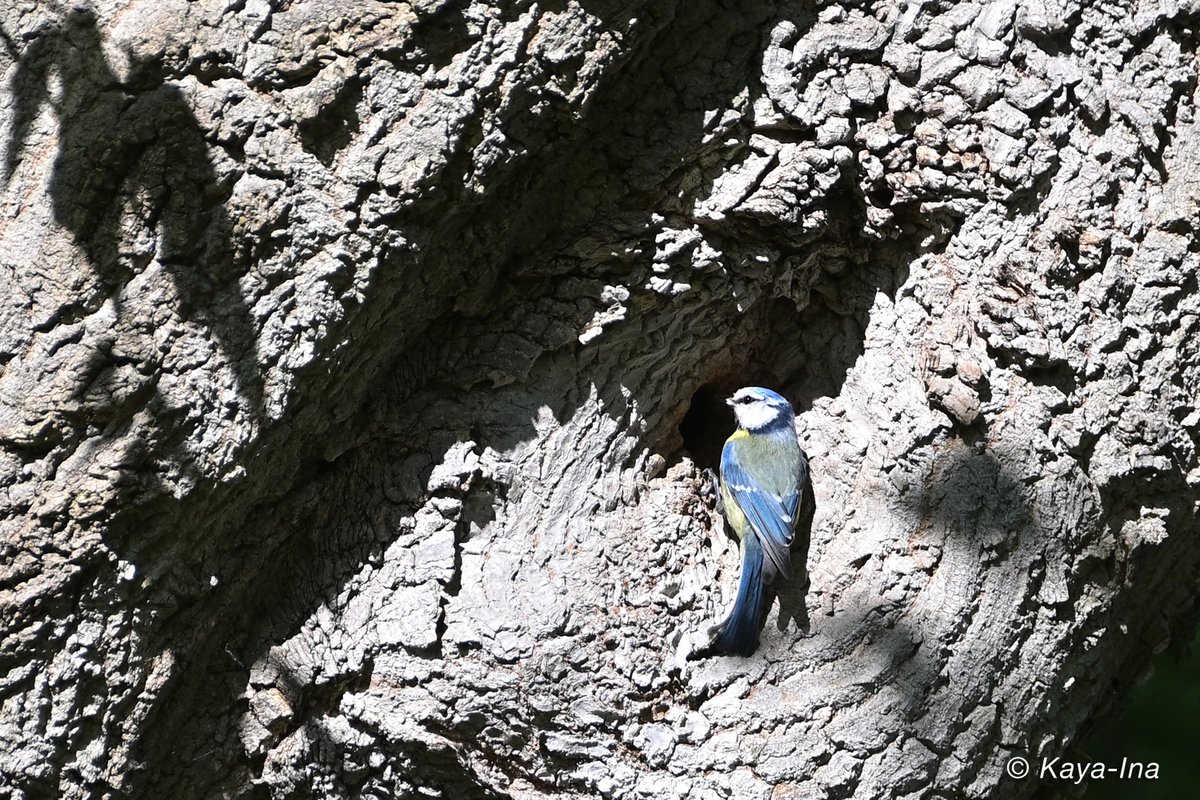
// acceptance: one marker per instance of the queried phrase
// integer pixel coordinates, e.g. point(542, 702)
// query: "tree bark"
point(361, 367)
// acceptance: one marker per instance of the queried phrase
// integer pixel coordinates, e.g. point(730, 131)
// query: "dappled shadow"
point(975, 515)
point(966, 498)
point(496, 362)
point(133, 182)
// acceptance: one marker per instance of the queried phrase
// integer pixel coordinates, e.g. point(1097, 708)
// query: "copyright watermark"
point(1076, 772)
point(1017, 767)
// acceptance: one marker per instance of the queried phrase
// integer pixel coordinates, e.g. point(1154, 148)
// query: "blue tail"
point(739, 631)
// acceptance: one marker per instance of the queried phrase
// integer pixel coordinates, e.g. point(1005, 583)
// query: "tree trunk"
point(361, 369)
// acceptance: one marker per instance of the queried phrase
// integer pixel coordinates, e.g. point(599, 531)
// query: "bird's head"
point(758, 408)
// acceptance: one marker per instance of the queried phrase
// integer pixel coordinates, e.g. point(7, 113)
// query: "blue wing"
point(771, 517)
point(791, 503)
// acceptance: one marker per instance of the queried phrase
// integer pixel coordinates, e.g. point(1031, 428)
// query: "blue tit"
point(763, 475)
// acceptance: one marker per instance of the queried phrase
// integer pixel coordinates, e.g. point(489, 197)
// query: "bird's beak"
point(729, 402)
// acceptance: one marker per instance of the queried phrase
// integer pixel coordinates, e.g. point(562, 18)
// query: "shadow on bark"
point(133, 184)
point(130, 155)
point(806, 353)
point(494, 358)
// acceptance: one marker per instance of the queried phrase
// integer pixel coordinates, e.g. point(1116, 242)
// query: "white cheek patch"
point(756, 415)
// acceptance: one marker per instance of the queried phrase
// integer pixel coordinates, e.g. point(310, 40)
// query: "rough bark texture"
point(361, 362)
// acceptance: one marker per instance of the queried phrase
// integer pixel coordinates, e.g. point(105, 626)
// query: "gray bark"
point(360, 365)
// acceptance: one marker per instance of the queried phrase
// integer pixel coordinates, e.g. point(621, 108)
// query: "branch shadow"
point(133, 184)
point(977, 516)
point(133, 148)
point(414, 392)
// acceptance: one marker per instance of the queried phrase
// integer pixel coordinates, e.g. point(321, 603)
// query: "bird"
point(763, 475)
